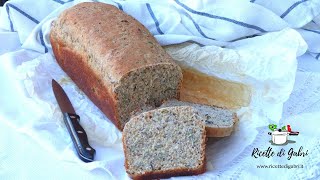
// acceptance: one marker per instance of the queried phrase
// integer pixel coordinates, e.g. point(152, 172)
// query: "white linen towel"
point(216, 22)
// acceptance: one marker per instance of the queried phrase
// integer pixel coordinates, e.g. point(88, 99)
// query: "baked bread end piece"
point(165, 142)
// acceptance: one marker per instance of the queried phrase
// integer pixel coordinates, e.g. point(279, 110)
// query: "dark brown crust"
point(88, 82)
point(169, 173)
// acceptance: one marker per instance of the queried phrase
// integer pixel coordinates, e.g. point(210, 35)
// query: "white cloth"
point(206, 22)
point(256, 62)
point(35, 114)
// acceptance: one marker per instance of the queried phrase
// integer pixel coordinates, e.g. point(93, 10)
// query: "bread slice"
point(164, 142)
point(219, 122)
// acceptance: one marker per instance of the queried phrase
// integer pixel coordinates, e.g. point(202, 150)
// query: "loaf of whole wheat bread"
point(114, 60)
point(165, 142)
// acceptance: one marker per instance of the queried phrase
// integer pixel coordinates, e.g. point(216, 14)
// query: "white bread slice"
point(219, 122)
point(165, 142)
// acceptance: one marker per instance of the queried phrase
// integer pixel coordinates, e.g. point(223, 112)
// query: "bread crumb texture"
point(165, 139)
point(212, 116)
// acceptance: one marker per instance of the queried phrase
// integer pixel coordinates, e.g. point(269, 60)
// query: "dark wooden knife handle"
point(79, 137)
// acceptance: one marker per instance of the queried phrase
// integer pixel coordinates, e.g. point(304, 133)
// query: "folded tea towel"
point(216, 22)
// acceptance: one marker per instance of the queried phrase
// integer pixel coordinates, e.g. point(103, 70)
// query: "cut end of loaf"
point(165, 142)
point(147, 86)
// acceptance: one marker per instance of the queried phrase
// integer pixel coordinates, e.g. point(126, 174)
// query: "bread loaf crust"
point(170, 173)
point(98, 46)
point(99, 94)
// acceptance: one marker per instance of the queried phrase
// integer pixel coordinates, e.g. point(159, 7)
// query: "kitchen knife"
point(78, 135)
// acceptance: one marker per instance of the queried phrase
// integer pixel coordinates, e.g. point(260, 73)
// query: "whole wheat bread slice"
point(165, 142)
point(219, 122)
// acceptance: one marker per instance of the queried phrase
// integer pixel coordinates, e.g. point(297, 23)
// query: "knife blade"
point(78, 135)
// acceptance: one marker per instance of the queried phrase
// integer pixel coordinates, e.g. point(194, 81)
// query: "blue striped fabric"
point(42, 41)
point(219, 17)
point(30, 18)
point(317, 57)
point(23, 13)
point(8, 12)
point(252, 1)
point(245, 37)
point(119, 5)
point(291, 8)
point(314, 31)
point(59, 1)
point(198, 27)
point(62, 2)
point(154, 18)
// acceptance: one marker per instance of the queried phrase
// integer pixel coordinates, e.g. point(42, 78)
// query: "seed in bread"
point(165, 142)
